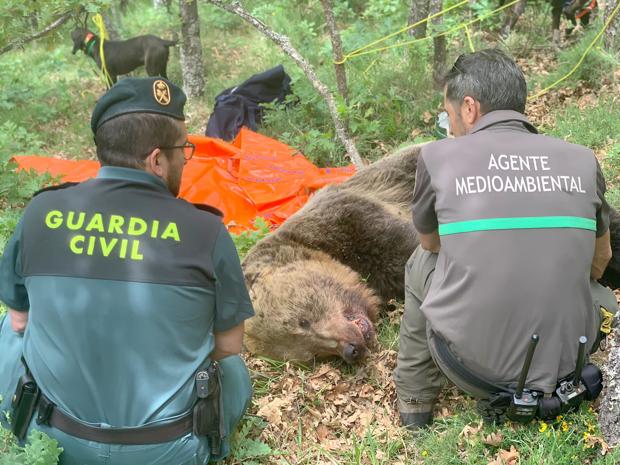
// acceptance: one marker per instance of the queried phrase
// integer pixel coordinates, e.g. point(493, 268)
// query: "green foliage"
point(378, 10)
point(21, 19)
point(597, 127)
point(597, 65)
point(37, 116)
point(15, 191)
point(14, 138)
point(521, 43)
point(245, 240)
point(40, 449)
point(245, 448)
point(593, 126)
point(611, 170)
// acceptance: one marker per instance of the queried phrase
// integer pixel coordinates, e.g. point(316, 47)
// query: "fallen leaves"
point(329, 402)
point(591, 441)
point(494, 439)
point(506, 457)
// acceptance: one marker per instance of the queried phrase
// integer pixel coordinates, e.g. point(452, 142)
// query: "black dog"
point(123, 56)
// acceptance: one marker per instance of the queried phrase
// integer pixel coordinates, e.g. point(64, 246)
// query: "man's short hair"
point(128, 139)
point(489, 76)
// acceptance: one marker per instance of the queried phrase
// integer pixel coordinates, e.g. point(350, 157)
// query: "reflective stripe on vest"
point(532, 222)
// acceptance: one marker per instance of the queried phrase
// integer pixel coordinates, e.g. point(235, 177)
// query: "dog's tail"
point(169, 43)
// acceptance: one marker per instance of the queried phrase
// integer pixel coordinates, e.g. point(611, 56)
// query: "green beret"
point(139, 95)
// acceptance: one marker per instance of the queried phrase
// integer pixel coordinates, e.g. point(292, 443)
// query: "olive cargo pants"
point(186, 450)
point(419, 371)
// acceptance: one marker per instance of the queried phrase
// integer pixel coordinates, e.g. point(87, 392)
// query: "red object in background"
point(252, 176)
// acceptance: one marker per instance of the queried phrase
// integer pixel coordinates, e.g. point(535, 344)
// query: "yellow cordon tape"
point(362, 50)
point(471, 44)
point(98, 20)
point(400, 31)
point(583, 56)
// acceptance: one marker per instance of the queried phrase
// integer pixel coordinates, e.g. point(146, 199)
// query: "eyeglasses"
point(188, 149)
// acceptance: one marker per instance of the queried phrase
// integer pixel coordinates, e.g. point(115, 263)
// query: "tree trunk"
point(191, 49)
point(419, 11)
point(439, 44)
point(110, 27)
point(285, 44)
point(609, 412)
point(341, 74)
point(512, 15)
point(612, 34)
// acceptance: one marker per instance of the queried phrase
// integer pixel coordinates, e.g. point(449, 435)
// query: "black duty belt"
point(454, 364)
point(49, 414)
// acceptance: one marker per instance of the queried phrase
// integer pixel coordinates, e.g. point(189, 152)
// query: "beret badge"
point(161, 92)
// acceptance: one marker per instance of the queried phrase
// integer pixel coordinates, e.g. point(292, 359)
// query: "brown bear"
point(317, 282)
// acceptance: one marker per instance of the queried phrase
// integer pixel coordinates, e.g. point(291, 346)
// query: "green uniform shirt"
point(517, 213)
point(125, 285)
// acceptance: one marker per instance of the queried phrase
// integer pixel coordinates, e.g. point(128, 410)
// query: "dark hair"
point(489, 76)
point(127, 139)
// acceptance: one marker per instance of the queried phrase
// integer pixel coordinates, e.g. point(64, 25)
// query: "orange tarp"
point(252, 176)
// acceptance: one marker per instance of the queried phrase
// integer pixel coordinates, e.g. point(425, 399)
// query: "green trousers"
point(419, 373)
point(186, 450)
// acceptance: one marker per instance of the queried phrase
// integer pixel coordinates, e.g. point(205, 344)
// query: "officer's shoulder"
point(200, 210)
point(55, 187)
point(439, 145)
point(203, 207)
point(568, 147)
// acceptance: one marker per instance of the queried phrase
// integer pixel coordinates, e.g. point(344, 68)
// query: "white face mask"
point(443, 125)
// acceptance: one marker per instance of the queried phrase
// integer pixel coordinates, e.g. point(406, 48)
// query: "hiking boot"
point(415, 415)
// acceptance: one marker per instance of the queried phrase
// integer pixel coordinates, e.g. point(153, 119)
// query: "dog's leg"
point(157, 62)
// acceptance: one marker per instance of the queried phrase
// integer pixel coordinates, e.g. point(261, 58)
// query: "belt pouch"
point(549, 407)
point(24, 405)
point(208, 409)
point(592, 379)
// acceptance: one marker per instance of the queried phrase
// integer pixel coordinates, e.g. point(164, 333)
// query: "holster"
point(592, 378)
point(208, 412)
point(24, 405)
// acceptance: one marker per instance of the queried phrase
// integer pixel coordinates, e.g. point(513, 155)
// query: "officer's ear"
point(154, 163)
point(470, 111)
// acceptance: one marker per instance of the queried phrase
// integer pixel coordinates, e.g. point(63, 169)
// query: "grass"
point(305, 399)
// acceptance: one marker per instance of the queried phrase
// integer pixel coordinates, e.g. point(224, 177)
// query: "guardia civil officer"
point(513, 230)
point(132, 301)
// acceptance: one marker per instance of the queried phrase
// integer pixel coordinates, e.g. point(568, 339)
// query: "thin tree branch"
point(23, 41)
point(285, 44)
point(341, 75)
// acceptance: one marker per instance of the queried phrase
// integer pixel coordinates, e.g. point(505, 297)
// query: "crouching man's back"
point(135, 300)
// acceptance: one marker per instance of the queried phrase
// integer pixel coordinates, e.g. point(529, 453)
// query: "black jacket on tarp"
point(240, 106)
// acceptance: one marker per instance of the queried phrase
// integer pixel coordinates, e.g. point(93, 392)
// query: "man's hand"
point(430, 241)
point(602, 255)
point(228, 342)
point(19, 320)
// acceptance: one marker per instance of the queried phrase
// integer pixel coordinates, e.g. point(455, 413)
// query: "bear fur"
point(341, 255)
point(317, 282)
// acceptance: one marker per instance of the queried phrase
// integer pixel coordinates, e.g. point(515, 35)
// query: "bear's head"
point(311, 308)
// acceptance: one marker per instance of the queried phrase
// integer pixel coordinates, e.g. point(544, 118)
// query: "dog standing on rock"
point(123, 56)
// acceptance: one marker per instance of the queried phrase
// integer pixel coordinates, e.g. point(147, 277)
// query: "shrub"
point(40, 449)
